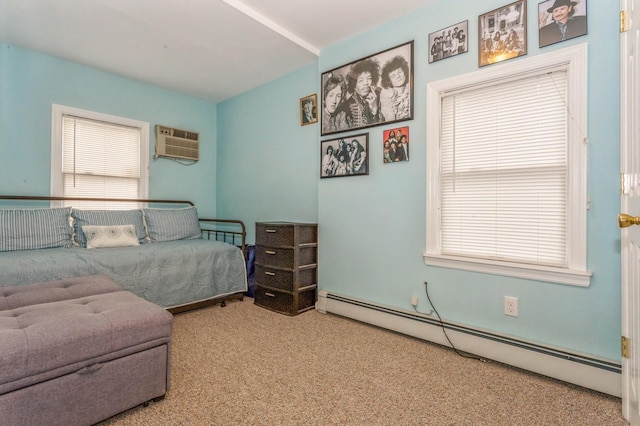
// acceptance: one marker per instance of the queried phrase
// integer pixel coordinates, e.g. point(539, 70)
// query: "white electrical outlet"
point(414, 301)
point(511, 306)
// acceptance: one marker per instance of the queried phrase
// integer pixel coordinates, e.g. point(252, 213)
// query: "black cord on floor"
point(444, 330)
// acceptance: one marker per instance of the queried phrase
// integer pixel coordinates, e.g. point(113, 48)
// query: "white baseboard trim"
point(582, 370)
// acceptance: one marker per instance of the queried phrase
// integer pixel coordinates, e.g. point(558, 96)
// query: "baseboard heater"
point(583, 370)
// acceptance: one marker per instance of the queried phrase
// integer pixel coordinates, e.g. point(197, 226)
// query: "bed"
point(178, 271)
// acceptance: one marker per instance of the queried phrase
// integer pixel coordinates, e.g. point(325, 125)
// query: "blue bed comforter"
point(170, 274)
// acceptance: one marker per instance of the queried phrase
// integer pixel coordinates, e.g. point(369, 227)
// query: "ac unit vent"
point(177, 143)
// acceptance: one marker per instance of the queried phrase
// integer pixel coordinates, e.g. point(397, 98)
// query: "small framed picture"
point(502, 33)
point(395, 145)
point(347, 156)
point(309, 110)
point(560, 20)
point(448, 42)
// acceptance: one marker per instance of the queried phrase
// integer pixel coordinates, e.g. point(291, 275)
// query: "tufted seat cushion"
point(52, 291)
point(43, 340)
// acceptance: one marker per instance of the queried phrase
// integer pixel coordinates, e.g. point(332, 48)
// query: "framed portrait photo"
point(371, 91)
point(560, 20)
point(502, 33)
point(395, 145)
point(448, 42)
point(309, 110)
point(347, 156)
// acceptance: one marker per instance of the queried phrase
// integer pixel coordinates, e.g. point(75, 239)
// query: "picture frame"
point(309, 110)
point(572, 14)
point(502, 33)
point(448, 42)
point(371, 91)
point(395, 145)
point(347, 156)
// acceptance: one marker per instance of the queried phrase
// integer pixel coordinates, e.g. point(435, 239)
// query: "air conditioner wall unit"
point(177, 143)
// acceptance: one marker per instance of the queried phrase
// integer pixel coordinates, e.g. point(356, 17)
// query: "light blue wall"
point(372, 228)
point(267, 162)
point(32, 82)
point(265, 166)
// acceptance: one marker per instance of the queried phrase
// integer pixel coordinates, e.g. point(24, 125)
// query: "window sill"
point(517, 270)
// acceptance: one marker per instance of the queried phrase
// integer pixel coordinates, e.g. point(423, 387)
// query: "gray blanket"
point(169, 274)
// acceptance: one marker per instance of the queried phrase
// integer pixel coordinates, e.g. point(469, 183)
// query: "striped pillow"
point(172, 224)
point(31, 229)
point(108, 218)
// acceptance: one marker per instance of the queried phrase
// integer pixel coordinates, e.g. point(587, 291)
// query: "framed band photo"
point(371, 91)
point(448, 42)
point(309, 110)
point(347, 156)
point(502, 33)
point(395, 145)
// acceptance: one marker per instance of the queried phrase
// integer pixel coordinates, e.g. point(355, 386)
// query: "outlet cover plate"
point(511, 306)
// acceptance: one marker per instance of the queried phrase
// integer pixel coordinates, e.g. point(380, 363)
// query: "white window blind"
point(97, 155)
point(100, 159)
point(507, 169)
point(504, 171)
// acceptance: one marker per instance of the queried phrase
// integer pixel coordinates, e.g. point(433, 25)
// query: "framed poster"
point(449, 41)
point(371, 91)
point(345, 156)
point(502, 33)
point(560, 20)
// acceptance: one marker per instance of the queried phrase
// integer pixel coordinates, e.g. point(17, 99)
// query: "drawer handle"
point(273, 274)
point(266, 293)
point(271, 231)
point(269, 252)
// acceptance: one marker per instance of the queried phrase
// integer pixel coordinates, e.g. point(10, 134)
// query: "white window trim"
point(575, 60)
point(57, 111)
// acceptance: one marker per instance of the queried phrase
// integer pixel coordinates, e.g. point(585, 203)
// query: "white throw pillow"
point(110, 236)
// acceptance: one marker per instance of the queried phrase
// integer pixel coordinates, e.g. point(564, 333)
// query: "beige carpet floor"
point(245, 365)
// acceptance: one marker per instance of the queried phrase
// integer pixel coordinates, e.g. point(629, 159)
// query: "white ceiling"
point(212, 49)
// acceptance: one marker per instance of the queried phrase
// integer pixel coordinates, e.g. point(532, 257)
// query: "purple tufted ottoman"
point(78, 351)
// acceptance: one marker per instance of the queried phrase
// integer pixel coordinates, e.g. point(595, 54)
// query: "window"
point(506, 159)
point(98, 155)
